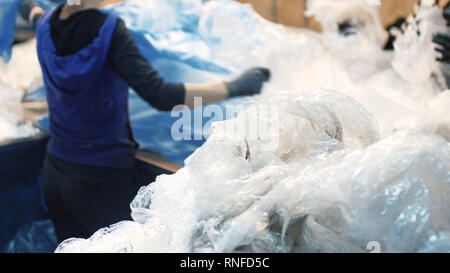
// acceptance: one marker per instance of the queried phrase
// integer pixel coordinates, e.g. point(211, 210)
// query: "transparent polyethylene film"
point(346, 150)
point(12, 125)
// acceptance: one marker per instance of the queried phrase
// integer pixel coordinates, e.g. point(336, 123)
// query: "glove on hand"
point(249, 83)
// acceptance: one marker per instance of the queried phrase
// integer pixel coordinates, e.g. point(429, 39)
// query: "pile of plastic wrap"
point(19, 73)
point(11, 125)
point(361, 160)
point(16, 77)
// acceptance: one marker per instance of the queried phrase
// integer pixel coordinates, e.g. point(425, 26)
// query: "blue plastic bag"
point(21, 196)
point(8, 13)
point(166, 32)
point(35, 237)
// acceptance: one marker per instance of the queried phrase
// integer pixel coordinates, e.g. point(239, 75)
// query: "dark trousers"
point(82, 199)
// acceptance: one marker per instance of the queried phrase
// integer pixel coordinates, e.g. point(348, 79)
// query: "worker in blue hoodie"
point(89, 59)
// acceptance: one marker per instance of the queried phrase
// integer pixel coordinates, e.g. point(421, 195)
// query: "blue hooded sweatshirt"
point(87, 100)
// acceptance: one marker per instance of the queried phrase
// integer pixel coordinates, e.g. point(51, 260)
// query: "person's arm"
point(31, 12)
point(125, 58)
point(209, 93)
point(249, 83)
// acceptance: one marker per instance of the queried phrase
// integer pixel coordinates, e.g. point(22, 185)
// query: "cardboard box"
point(291, 12)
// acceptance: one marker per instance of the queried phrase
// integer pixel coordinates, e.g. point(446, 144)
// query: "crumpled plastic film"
point(8, 13)
point(388, 194)
point(361, 168)
point(12, 125)
point(415, 54)
point(23, 71)
point(14, 80)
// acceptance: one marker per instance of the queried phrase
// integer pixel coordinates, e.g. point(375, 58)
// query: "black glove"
point(446, 14)
point(249, 83)
point(444, 41)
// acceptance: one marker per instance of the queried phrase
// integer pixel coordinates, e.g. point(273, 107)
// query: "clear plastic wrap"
point(16, 78)
point(12, 125)
point(414, 58)
point(23, 71)
point(364, 167)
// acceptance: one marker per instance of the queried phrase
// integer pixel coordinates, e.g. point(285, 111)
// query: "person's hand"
point(443, 40)
point(35, 11)
point(28, 9)
point(249, 83)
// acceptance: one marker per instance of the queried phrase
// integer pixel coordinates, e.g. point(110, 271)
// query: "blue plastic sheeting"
point(35, 237)
point(167, 34)
point(8, 13)
point(21, 199)
point(37, 95)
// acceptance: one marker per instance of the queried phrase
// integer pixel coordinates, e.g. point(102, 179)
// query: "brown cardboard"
point(291, 12)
